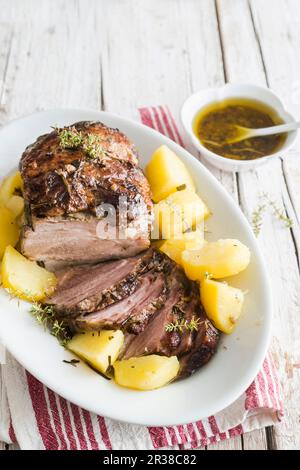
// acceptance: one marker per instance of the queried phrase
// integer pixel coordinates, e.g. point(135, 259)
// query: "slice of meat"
point(154, 339)
point(68, 241)
point(74, 200)
point(88, 288)
point(187, 309)
point(148, 297)
point(204, 346)
point(182, 304)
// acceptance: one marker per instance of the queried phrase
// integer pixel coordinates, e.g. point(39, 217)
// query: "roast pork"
point(70, 193)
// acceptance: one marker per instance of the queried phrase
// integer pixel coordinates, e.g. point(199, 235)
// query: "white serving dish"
point(201, 99)
point(213, 387)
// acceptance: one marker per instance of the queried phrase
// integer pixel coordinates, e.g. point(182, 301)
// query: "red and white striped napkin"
point(37, 418)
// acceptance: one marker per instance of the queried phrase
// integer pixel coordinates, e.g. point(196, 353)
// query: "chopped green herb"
point(70, 138)
point(92, 146)
point(182, 187)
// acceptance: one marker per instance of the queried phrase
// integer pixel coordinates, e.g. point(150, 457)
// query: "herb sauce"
point(215, 125)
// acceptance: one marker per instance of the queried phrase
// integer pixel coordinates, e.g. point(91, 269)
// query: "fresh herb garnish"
point(92, 146)
point(179, 326)
point(182, 187)
point(72, 362)
point(257, 218)
point(70, 138)
point(279, 213)
point(45, 316)
point(267, 203)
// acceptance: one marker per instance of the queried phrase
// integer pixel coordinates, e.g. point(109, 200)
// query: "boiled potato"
point(16, 205)
point(147, 372)
point(166, 172)
point(25, 278)
point(9, 230)
point(219, 259)
point(99, 349)
point(222, 303)
point(174, 248)
point(9, 186)
point(179, 212)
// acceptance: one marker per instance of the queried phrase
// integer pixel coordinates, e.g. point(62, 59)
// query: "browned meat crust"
point(60, 181)
point(64, 189)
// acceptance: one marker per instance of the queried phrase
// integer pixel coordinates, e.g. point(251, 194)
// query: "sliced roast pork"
point(182, 305)
point(154, 339)
point(72, 191)
point(88, 288)
point(141, 295)
point(142, 304)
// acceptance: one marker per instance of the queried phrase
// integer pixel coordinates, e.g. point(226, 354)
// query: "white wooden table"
point(118, 55)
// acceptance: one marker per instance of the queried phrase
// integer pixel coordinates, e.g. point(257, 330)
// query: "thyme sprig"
point(279, 213)
point(265, 203)
point(181, 325)
point(257, 218)
point(45, 316)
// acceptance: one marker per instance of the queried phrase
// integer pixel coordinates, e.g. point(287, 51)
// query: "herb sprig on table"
point(265, 204)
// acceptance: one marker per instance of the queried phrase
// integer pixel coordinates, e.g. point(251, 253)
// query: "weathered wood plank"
point(255, 440)
point(283, 267)
point(54, 59)
point(282, 35)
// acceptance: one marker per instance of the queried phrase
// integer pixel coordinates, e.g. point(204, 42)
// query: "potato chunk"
point(166, 172)
point(175, 247)
point(25, 278)
point(222, 303)
point(9, 186)
point(219, 259)
point(179, 212)
point(147, 372)
point(9, 230)
point(99, 349)
point(16, 205)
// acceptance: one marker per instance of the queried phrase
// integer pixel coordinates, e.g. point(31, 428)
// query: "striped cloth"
point(37, 418)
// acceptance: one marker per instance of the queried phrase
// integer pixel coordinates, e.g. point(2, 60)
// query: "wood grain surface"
point(121, 54)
